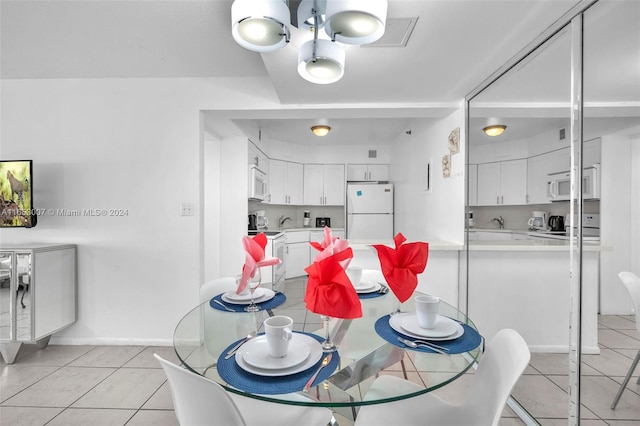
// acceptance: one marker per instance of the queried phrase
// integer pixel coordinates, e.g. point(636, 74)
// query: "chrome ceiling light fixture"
point(494, 130)
point(261, 25)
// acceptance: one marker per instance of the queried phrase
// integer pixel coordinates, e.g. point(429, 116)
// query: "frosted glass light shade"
point(260, 25)
point(356, 21)
point(329, 65)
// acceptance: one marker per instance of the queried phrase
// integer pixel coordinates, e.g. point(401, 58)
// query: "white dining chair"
point(504, 360)
point(214, 287)
point(200, 401)
point(632, 283)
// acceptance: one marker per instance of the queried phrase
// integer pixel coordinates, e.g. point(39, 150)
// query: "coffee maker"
point(538, 221)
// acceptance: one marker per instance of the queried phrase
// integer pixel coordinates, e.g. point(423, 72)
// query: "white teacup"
point(355, 275)
point(427, 310)
point(279, 334)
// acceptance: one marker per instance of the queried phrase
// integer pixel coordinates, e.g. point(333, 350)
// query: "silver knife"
point(324, 363)
point(223, 305)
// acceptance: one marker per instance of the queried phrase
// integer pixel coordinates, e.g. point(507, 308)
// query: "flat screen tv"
point(16, 194)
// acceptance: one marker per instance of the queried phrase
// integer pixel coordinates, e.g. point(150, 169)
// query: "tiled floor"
point(124, 385)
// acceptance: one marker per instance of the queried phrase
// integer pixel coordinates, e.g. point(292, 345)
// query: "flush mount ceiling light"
point(320, 130)
point(494, 130)
point(263, 26)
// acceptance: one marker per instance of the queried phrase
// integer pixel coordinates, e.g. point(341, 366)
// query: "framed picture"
point(16, 194)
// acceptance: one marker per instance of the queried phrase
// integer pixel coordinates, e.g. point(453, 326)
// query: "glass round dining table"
point(366, 346)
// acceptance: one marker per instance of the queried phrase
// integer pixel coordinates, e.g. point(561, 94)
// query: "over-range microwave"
point(559, 184)
point(258, 185)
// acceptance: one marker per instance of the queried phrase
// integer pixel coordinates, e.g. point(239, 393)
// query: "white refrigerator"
point(369, 211)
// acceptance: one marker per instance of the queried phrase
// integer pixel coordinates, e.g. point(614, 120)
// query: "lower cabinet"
point(297, 253)
point(38, 290)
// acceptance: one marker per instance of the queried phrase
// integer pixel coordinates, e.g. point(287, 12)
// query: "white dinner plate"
point(394, 322)
point(233, 297)
point(364, 285)
point(267, 295)
point(443, 327)
point(256, 353)
point(376, 287)
point(315, 354)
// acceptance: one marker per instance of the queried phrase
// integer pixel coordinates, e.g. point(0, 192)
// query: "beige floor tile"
point(616, 322)
point(510, 421)
point(61, 388)
point(126, 388)
point(27, 416)
point(618, 340)
point(145, 358)
point(161, 400)
point(17, 377)
point(597, 393)
point(155, 418)
point(608, 362)
point(54, 355)
point(623, 422)
point(93, 417)
point(107, 356)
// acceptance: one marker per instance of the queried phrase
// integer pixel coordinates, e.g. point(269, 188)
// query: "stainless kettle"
point(556, 223)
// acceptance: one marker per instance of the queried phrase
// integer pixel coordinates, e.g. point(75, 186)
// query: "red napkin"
point(329, 246)
point(255, 258)
point(329, 290)
point(401, 266)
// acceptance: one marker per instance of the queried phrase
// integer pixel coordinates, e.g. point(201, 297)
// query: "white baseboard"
point(102, 341)
point(562, 349)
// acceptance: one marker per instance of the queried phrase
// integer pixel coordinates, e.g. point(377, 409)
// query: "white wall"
point(619, 217)
point(129, 144)
point(439, 214)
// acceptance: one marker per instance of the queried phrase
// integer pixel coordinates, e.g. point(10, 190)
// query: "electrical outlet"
point(187, 209)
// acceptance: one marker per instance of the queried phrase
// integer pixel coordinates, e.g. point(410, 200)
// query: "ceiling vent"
point(396, 33)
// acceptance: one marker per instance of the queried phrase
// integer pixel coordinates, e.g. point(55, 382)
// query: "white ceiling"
point(454, 46)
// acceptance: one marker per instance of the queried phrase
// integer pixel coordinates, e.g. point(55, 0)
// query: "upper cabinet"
point(367, 172)
point(285, 182)
point(257, 157)
point(324, 184)
point(502, 183)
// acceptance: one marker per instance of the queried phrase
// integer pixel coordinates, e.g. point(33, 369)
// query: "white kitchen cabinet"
point(324, 185)
point(538, 169)
point(296, 253)
point(257, 157)
point(502, 183)
point(367, 172)
point(285, 182)
point(473, 184)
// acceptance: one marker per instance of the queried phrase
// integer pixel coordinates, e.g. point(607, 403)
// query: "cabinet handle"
point(257, 161)
point(365, 175)
point(502, 199)
point(321, 200)
point(497, 199)
point(369, 175)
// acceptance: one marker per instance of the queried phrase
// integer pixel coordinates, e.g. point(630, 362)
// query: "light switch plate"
point(187, 209)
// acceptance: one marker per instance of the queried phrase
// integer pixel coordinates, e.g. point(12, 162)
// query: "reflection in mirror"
point(612, 113)
point(521, 282)
point(513, 184)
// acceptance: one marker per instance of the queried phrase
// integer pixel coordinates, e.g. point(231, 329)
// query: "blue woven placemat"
point(373, 295)
point(470, 340)
point(230, 372)
point(277, 300)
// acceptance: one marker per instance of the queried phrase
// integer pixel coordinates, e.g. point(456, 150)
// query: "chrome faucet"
point(500, 221)
point(283, 220)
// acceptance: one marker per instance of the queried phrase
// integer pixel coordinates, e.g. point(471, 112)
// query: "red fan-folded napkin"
point(329, 290)
point(255, 258)
point(401, 266)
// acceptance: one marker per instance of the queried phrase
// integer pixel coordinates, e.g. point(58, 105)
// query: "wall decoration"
point(454, 141)
point(446, 166)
